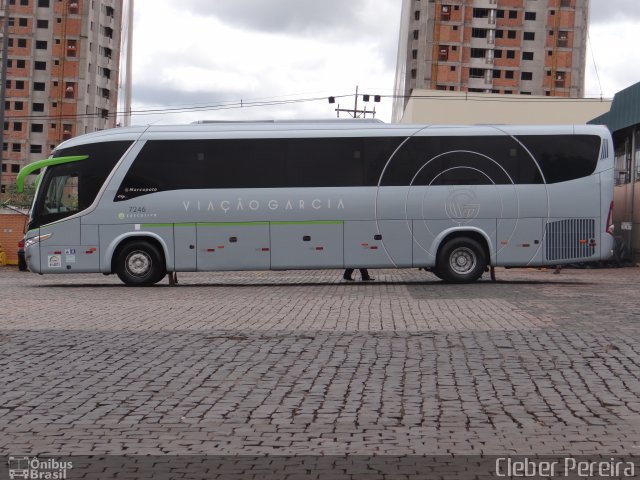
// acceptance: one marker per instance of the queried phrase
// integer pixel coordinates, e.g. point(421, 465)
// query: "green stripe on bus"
point(242, 224)
point(317, 222)
point(39, 164)
point(232, 224)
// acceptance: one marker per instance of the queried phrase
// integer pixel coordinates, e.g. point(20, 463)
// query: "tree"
point(14, 198)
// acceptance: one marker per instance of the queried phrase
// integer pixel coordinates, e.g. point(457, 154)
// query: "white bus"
point(144, 201)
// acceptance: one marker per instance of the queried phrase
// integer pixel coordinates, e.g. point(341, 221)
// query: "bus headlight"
point(30, 242)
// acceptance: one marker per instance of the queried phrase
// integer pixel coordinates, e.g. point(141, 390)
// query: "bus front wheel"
point(140, 263)
point(461, 260)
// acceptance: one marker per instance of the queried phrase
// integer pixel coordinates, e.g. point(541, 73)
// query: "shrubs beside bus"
point(141, 202)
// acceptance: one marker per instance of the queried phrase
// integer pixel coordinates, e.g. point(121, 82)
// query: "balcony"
point(483, 83)
point(487, 43)
point(485, 3)
point(488, 21)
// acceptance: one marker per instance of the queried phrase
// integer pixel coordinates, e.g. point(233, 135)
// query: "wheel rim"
point(138, 264)
point(463, 260)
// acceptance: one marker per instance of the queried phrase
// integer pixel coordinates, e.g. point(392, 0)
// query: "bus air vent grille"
point(571, 239)
point(605, 149)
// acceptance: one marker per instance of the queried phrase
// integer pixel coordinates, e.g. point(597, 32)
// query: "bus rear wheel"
point(461, 260)
point(140, 263)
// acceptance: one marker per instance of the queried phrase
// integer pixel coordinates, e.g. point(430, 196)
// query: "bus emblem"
point(462, 206)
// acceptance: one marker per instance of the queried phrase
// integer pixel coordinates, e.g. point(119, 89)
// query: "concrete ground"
point(295, 363)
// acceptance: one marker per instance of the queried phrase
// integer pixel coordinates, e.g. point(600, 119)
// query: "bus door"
point(185, 238)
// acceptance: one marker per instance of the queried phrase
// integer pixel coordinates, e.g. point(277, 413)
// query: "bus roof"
point(322, 128)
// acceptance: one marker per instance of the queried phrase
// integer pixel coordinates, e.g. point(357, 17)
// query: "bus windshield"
point(70, 188)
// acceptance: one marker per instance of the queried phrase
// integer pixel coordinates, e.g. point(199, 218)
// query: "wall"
point(460, 108)
point(11, 232)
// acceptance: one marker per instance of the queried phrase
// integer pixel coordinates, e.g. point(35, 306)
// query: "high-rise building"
point(528, 47)
point(62, 74)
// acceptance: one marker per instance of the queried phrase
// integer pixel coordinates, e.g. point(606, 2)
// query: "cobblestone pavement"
point(302, 363)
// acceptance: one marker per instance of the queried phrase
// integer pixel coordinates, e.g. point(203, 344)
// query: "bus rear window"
point(564, 157)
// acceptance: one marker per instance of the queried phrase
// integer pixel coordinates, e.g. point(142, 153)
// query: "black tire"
point(22, 263)
point(140, 263)
point(461, 260)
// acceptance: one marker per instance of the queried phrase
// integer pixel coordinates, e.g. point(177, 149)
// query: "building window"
point(476, 73)
point(416, 34)
point(511, 54)
point(500, 14)
point(24, 3)
point(526, 76)
point(16, 147)
point(39, 86)
point(416, 15)
point(41, 44)
point(445, 13)
point(499, 33)
point(414, 54)
point(15, 168)
point(37, 107)
point(42, 24)
point(529, 35)
point(37, 127)
point(35, 149)
point(414, 73)
point(17, 126)
point(19, 84)
point(479, 32)
point(21, 64)
point(40, 65)
point(43, 3)
point(530, 16)
point(22, 43)
point(511, 34)
point(497, 74)
point(508, 74)
point(70, 90)
point(497, 53)
point(513, 14)
point(71, 48)
point(527, 55)
point(23, 22)
point(563, 39)
point(18, 106)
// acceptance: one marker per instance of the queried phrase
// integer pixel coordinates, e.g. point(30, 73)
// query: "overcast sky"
point(202, 52)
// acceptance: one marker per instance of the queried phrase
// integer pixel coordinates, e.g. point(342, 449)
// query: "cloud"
point(283, 15)
point(611, 11)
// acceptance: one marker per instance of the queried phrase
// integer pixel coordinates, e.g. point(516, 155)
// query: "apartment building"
point(527, 47)
point(62, 75)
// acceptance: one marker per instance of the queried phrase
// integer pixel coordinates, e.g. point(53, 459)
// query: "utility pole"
point(355, 113)
point(129, 64)
point(3, 79)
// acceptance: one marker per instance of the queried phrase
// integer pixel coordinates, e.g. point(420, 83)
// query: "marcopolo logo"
point(462, 206)
point(34, 468)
